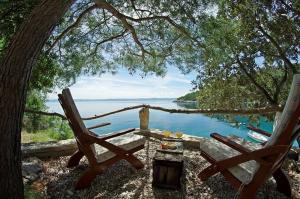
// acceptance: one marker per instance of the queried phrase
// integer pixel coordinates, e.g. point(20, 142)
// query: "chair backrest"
point(286, 129)
point(285, 132)
point(79, 129)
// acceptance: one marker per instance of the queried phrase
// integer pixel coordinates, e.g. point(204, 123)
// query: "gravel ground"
point(123, 181)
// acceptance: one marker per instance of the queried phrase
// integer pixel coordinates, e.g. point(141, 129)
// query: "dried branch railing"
point(45, 113)
point(264, 110)
point(195, 111)
point(144, 129)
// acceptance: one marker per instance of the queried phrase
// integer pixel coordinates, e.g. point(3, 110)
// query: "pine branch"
point(126, 24)
point(107, 40)
point(74, 25)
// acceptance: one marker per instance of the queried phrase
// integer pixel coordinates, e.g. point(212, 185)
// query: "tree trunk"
point(15, 71)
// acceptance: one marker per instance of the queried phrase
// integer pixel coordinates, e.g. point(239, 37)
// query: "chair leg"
point(246, 194)
point(75, 158)
point(283, 184)
point(136, 163)
point(86, 179)
point(208, 172)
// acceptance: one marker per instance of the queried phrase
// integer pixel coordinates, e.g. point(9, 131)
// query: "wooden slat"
point(252, 128)
point(116, 134)
point(99, 125)
point(230, 143)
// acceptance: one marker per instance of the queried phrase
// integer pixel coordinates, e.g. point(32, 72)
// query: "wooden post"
point(144, 119)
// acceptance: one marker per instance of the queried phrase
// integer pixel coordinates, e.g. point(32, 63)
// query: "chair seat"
point(128, 141)
point(219, 151)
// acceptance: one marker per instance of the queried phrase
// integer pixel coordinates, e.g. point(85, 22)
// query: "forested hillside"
point(189, 97)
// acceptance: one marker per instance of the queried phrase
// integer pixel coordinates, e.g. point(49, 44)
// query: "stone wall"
point(53, 149)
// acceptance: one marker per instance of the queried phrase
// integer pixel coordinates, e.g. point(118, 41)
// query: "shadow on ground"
point(123, 181)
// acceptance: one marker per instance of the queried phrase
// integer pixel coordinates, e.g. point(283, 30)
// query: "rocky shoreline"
point(55, 180)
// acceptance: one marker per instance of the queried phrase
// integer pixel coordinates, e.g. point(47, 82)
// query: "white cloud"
point(123, 85)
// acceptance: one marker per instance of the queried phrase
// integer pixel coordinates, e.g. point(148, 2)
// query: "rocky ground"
point(123, 181)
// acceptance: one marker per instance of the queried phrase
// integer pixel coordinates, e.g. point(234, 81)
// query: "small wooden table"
point(168, 166)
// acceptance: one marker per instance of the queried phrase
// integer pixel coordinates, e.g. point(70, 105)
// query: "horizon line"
point(95, 99)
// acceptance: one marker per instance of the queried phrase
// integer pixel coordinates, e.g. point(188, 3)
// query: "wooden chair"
point(101, 152)
point(247, 166)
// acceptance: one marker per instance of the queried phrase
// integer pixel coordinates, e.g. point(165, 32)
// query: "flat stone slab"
point(44, 150)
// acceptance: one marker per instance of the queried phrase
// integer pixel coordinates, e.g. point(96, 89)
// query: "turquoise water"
point(192, 124)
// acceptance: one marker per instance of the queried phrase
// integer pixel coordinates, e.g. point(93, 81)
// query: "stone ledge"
point(189, 141)
point(44, 150)
point(53, 149)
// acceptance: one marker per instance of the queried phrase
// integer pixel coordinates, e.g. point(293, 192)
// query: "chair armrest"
point(112, 135)
point(260, 155)
point(252, 128)
point(92, 139)
point(94, 134)
point(230, 143)
point(257, 155)
point(99, 125)
point(117, 150)
point(116, 134)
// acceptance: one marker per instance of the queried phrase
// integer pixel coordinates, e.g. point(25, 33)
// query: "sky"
point(125, 86)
